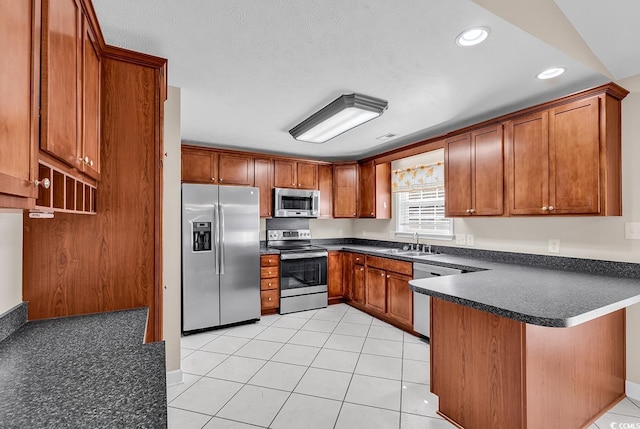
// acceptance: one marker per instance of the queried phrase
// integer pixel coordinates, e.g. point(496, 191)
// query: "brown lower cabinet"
point(335, 286)
point(269, 283)
point(379, 286)
point(492, 372)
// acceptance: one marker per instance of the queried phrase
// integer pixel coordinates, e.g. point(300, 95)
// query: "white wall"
point(171, 231)
point(10, 259)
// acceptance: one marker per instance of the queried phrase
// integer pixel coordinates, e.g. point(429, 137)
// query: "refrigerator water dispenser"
point(202, 236)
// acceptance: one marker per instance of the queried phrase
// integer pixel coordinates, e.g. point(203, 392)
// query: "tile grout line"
point(352, 374)
point(307, 370)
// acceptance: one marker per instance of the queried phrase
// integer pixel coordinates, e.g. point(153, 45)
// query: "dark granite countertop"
point(90, 371)
point(566, 294)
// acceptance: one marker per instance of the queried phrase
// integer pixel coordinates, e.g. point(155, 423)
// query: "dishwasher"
point(421, 302)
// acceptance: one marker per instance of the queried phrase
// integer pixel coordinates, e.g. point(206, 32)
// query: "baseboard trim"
point(632, 390)
point(174, 377)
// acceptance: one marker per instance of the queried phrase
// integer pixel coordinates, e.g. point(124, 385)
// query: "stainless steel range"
point(303, 270)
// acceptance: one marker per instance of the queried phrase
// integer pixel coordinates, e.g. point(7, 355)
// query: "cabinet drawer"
point(269, 299)
point(267, 284)
point(390, 265)
point(269, 272)
point(358, 258)
point(269, 260)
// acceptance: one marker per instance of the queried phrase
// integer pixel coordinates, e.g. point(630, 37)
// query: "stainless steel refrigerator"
point(220, 255)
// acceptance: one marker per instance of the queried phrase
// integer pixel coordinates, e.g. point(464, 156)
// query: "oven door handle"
point(303, 255)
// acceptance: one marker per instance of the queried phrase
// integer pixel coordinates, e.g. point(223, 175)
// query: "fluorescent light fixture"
point(472, 36)
point(344, 113)
point(551, 73)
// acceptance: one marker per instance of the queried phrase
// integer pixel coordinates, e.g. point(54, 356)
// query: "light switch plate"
point(470, 240)
point(461, 239)
point(632, 231)
point(554, 246)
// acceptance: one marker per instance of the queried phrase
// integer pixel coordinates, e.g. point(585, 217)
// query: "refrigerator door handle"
point(221, 247)
point(216, 235)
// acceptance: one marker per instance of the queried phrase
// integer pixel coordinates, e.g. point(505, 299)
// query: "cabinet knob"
point(269, 284)
point(388, 276)
point(361, 269)
point(354, 214)
point(299, 185)
point(220, 180)
point(468, 210)
point(269, 298)
point(86, 159)
point(213, 179)
point(45, 183)
point(382, 275)
point(472, 211)
point(544, 208)
point(91, 162)
point(550, 208)
point(371, 213)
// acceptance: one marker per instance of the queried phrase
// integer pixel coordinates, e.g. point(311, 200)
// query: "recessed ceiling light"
point(472, 36)
point(551, 73)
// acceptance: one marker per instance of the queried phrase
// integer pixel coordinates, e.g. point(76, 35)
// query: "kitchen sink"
point(392, 251)
point(406, 252)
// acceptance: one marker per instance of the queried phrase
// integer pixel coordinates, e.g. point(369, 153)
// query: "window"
point(422, 211)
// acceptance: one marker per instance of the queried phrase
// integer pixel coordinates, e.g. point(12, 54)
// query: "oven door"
point(303, 273)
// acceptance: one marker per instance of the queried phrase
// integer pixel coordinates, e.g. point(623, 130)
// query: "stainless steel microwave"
point(296, 202)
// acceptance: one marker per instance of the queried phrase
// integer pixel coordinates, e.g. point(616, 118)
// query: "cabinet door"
point(264, 181)
point(90, 153)
point(334, 275)
point(18, 103)
point(367, 189)
point(284, 174)
point(457, 183)
point(325, 185)
point(307, 175)
point(383, 191)
point(358, 284)
point(235, 169)
point(487, 171)
point(199, 166)
point(574, 155)
point(376, 289)
point(527, 151)
point(61, 90)
point(400, 298)
point(344, 190)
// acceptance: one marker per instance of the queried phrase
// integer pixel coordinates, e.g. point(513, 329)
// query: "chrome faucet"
point(417, 238)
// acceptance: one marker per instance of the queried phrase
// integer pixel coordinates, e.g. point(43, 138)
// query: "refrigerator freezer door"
point(200, 284)
point(239, 214)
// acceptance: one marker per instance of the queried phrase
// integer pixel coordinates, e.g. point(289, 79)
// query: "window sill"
point(426, 236)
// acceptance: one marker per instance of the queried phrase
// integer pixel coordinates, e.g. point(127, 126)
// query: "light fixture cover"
point(344, 113)
point(473, 36)
point(550, 73)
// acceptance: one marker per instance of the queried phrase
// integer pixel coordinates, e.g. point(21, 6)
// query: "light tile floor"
point(334, 368)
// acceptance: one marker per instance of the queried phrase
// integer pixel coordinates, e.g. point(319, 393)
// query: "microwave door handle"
point(221, 216)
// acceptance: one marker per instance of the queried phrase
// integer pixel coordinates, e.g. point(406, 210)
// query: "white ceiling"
point(250, 70)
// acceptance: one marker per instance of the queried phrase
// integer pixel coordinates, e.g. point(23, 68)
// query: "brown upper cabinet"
point(474, 173)
point(325, 185)
point(19, 69)
point(91, 65)
point(263, 172)
point(374, 190)
point(295, 174)
point(566, 160)
point(345, 188)
point(202, 165)
point(70, 98)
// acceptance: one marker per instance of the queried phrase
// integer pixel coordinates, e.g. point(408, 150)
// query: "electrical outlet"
point(632, 231)
point(461, 239)
point(554, 246)
point(470, 240)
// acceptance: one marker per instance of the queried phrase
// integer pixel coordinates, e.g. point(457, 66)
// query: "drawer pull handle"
point(45, 183)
